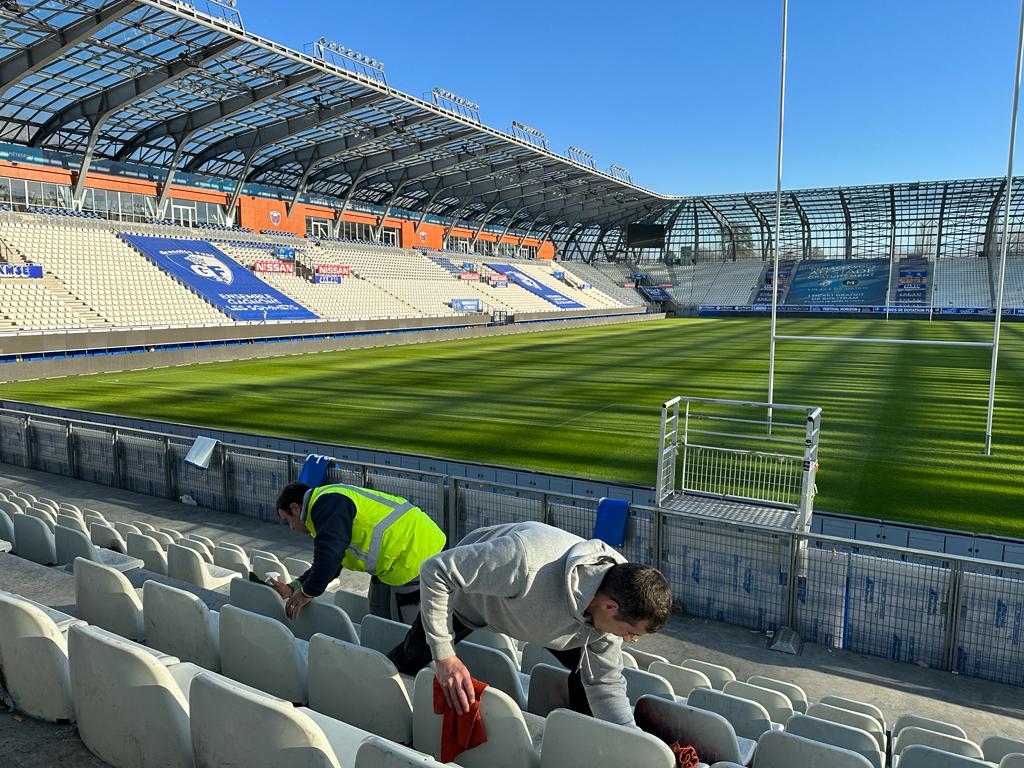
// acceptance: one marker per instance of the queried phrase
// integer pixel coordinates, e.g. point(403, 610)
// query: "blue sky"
point(684, 94)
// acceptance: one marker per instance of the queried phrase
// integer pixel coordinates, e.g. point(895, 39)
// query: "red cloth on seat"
point(686, 756)
point(459, 732)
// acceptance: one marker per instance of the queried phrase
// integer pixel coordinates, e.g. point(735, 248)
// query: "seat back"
point(855, 706)
point(380, 753)
point(913, 734)
point(640, 683)
point(72, 521)
point(296, 566)
point(794, 693)
point(319, 616)
point(923, 756)
point(180, 624)
point(707, 732)
point(33, 540)
point(908, 720)
point(70, 543)
point(682, 679)
point(548, 690)
point(1012, 760)
point(147, 549)
point(381, 634)
point(186, 564)
point(275, 734)
point(127, 704)
point(10, 508)
point(107, 599)
point(645, 659)
point(34, 661)
point(491, 666)
point(125, 528)
point(998, 747)
point(44, 502)
point(258, 598)
point(19, 502)
point(352, 603)
point(262, 566)
point(508, 744)
point(43, 514)
point(838, 735)
point(102, 535)
point(851, 718)
point(572, 740)
point(337, 668)
point(748, 718)
point(7, 528)
point(145, 528)
point(776, 749)
point(236, 547)
point(229, 557)
point(261, 652)
point(210, 543)
point(777, 705)
point(173, 534)
point(716, 673)
point(533, 655)
point(163, 539)
point(197, 546)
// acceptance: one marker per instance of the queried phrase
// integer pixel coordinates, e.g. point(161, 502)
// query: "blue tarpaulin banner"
point(538, 289)
point(21, 270)
point(838, 283)
point(654, 293)
point(219, 279)
point(466, 305)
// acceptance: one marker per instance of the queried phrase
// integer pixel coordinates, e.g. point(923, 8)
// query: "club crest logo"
point(210, 267)
point(275, 218)
point(423, 237)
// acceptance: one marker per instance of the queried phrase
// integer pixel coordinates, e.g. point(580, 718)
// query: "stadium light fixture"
point(581, 156)
point(455, 103)
point(620, 173)
point(345, 58)
point(528, 134)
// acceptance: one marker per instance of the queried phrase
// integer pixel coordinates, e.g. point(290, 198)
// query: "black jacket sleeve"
point(333, 515)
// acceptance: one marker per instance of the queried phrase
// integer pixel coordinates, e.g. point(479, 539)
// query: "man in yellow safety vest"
point(363, 530)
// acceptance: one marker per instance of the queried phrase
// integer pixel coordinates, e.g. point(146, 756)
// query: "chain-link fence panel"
point(12, 440)
point(204, 486)
point(143, 467)
point(727, 573)
point(49, 447)
point(349, 474)
point(988, 642)
point(94, 455)
point(254, 483)
point(479, 504)
point(425, 491)
point(572, 515)
point(821, 595)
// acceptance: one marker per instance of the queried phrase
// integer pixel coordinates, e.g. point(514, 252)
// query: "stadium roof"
point(161, 84)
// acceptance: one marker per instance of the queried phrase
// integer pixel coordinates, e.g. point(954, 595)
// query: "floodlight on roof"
point(620, 173)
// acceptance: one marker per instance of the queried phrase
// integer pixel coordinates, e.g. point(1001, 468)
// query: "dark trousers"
point(413, 654)
point(400, 603)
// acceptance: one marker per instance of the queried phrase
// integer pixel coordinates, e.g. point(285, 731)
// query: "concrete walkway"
point(980, 707)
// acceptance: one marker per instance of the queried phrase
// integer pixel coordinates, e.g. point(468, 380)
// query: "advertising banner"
point(278, 267)
point(219, 279)
point(840, 283)
point(466, 305)
point(538, 289)
point(21, 270)
point(334, 279)
point(334, 269)
point(473, 277)
point(284, 253)
point(499, 281)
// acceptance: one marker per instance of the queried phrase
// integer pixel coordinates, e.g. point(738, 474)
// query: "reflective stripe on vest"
point(377, 536)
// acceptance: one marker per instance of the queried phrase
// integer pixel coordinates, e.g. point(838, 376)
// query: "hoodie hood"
point(586, 564)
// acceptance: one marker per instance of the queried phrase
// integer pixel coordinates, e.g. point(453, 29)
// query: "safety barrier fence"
point(931, 609)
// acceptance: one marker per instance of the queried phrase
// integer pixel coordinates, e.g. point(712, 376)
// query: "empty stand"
point(961, 283)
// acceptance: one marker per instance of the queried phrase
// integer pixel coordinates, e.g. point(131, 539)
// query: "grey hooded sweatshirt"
point(532, 582)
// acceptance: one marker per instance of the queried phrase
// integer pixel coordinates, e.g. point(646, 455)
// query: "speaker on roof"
point(645, 235)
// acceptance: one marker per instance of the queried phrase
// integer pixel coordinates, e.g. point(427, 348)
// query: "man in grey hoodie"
point(579, 599)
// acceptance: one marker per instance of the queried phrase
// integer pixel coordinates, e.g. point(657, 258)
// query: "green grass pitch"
point(902, 425)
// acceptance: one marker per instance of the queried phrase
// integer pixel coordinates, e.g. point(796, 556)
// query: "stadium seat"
point(682, 680)
point(508, 744)
point(131, 706)
point(197, 546)
point(924, 756)
point(72, 521)
point(843, 736)
point(163, 539)
point(533, 655)
point(263, 566)
point(337, 668)
point(231, 559)
point(777, 705)
point(352, 603)
point(379, 753)
point(710, 734)
point(34, 661)
point(148, 549)
point(175, 535)
point(10, 508)
point(911, 735)
point(257, 598)
point(43, 514)
point(72, 543)
point(106, 598)
point(548, 689)
point(854, 706)
point(261, 652)
point(572, 740)
point(33, 540)
point(783, 750)
point(995, 748)
point(850, 718)
point(491, 666)
point(186, 564)
point(640, 683)
point(125, 528)
point(643, 658)
point(320, 616)
point(382, 635)
point(716, 673)
point(794, 693)
point(105, 536)
point(1012, 759)
point(205, 540)
point(179, 623)
point(276, 734)
point(908, 720)
point(748, 718)
point(6, 527)
point(296, 566)
point(145, 528)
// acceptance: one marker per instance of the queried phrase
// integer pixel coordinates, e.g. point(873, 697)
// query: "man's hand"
point(284, 590)
point(295, 604)
point(456, 683)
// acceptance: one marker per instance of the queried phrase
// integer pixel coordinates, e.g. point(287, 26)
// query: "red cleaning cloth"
point(459, 732)
point(686, 756)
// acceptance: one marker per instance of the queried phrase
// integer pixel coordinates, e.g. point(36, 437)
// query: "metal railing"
point(914, 606)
